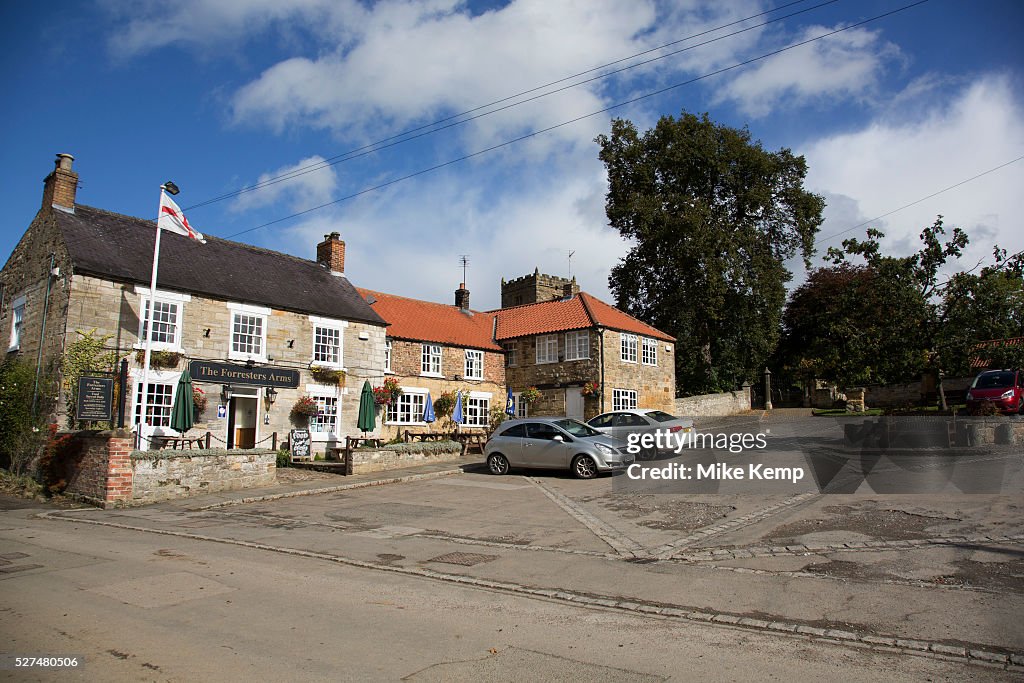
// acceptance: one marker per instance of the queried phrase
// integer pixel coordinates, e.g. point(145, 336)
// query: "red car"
point(1003, 388)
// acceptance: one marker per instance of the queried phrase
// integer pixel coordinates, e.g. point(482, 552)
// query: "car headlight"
point(605, 450)
point(1008, 394)
point(970, 396)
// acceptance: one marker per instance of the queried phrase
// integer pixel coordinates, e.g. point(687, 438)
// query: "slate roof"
point(415, 320)
point(120, 248)
point(580, 312)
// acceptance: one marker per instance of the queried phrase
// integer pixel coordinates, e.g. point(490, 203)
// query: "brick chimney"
point(60, 186)
point(331, 253)
point(462, 297)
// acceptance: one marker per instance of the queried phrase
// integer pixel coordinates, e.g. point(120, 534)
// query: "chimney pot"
point(331, 253)
point(462, 297)
point(60, 187)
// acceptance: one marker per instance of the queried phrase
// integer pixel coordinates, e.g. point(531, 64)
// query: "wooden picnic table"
point(182, 442)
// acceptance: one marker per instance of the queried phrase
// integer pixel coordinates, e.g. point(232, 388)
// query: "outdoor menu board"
point(95, 398)
point(300, 443)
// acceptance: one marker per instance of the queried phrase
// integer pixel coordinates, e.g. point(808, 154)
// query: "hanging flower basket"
point(381, 396)
point(198, 399)
point(325, 375)
point(529, 396)
point(591, 389)
point(159, 359)
point(391, 386)
point(305, 407)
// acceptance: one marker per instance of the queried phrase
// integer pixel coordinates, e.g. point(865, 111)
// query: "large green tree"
point(712, 217)
point(892, 318)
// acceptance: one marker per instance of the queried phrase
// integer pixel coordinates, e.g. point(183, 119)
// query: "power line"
point(918, 201)
point(421, 131)
point(604, 110)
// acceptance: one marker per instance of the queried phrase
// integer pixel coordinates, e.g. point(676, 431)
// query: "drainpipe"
point(42, 332)
point(600, 335)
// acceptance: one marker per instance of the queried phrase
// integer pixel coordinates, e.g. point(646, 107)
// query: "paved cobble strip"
point(619, 542)
point(974, 654)
point(669, 550)
point(817, 548)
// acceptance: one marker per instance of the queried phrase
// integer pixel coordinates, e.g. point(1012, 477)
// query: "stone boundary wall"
point(101, 468)
point(366, 460)
point(712, 405)
point(909, 393)
point(167, 475)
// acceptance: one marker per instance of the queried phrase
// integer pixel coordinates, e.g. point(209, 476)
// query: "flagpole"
point(149, 329)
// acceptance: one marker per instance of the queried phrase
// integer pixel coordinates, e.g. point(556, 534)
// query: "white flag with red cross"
point(172, 218)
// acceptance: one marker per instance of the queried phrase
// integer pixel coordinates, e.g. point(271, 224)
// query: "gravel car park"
point(555, 443)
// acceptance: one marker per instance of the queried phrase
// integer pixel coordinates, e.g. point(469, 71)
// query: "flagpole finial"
point(170, 188)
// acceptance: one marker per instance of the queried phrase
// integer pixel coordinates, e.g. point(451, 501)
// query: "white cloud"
point(408, 240)
point(899, 159)
point(310, 182)
point(846, 65)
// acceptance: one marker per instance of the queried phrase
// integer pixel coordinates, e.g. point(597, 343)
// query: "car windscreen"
point(993, 380)
point(659, 416)
point(577, 428)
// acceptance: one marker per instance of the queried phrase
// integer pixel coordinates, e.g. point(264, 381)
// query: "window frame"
point(511, 354)
point(323, 391)
point(547, 341)
point(572, 349)
point(259, 312)
point(387, 356)
point(649, 345)
point(409, 393)
point(427, 355)
point(479, 363)
point(521, 409)
point(17, 322)
point(167, 379)
point(629, 343)
point(167, 298)
point(630, 396)
point(471, 405)
point(331, 325)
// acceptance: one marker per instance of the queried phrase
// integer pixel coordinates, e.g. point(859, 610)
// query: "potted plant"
point(530, 395)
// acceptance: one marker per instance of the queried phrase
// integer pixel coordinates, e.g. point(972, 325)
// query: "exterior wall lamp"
point(271, 395)
point(226, 392)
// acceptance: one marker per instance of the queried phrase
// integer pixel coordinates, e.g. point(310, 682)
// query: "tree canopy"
point(893, 318)
point(713, 217)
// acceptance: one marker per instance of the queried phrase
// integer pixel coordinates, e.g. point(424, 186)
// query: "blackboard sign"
point(95, 398)
point(300, 443)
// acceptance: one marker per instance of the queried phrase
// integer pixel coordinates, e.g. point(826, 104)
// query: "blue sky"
point(218, 95)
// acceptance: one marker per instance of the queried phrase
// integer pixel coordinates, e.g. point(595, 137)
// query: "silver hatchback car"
point(621, 424)
point(554, 442)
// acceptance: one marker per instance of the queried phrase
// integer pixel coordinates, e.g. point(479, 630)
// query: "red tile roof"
point(979, 363)
point(580, 312)
point(432, 322)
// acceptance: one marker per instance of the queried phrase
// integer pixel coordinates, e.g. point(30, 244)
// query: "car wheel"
point(497, 463)
point(583, 467)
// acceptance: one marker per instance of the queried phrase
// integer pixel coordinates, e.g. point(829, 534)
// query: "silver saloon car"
point(620, 424)
point(556, 443)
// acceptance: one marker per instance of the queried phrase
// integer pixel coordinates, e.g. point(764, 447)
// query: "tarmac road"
point(534, 575)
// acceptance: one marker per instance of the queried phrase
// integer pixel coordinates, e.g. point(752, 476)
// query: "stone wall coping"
point(167, 454)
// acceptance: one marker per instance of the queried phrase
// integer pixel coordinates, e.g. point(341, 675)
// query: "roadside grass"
point(958, 409)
